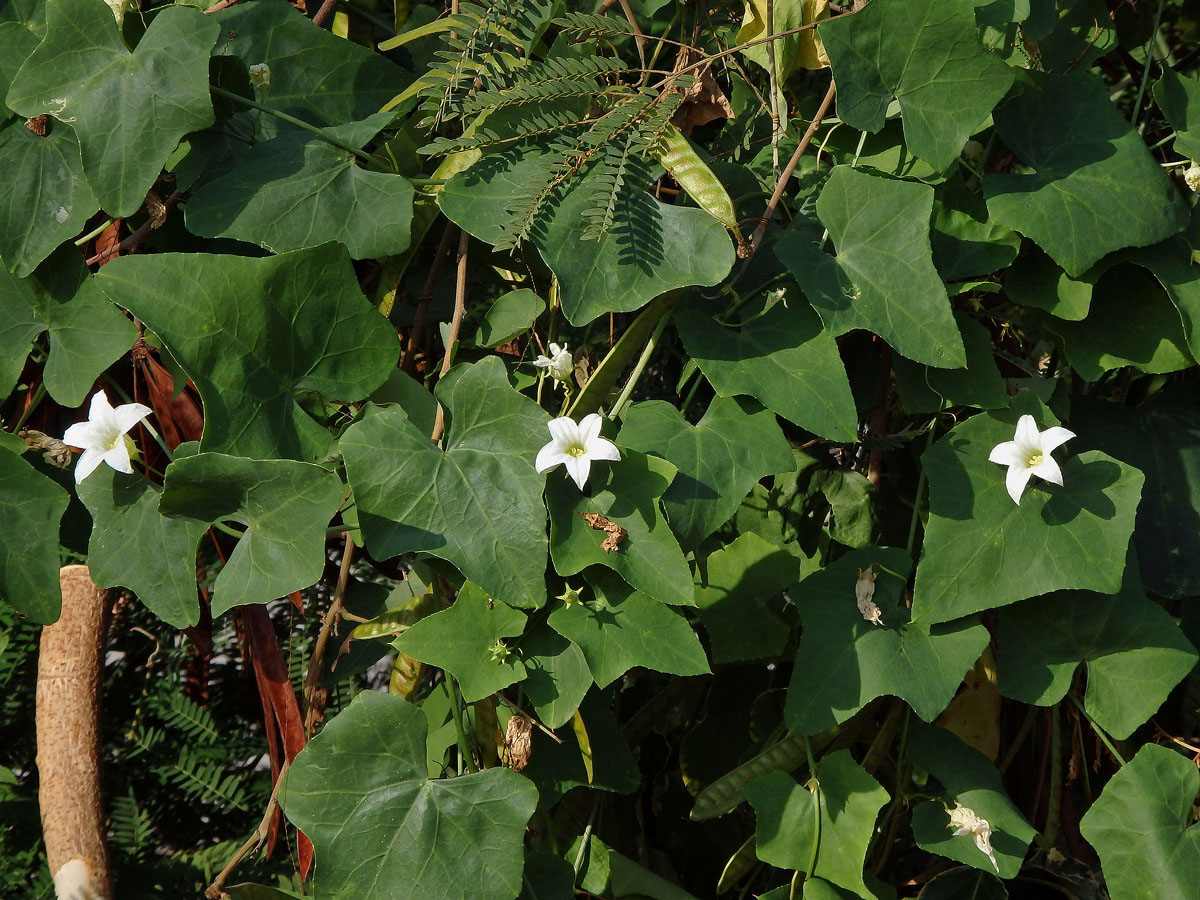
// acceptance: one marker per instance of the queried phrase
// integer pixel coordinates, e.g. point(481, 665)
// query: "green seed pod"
point(679, 157)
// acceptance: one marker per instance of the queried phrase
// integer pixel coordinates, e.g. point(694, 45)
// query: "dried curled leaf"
point(55, 451)
point(518, 742)
point(615, 532)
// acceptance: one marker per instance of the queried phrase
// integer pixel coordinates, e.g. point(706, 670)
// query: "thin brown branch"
point(460, 309)
point(315, 695)
point(417, 331)
point(216, 890)
point(135, 240)
point(785, 176)
point(323, 12)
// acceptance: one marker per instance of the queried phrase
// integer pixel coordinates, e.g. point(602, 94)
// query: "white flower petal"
point(578, 467)
point(81, 434)
point(1015, 481)
point(1007, 454)
point(118, 458)
point(88, 461)
point(1027, 432)
point(602, 448)
point(129, 414)
point(1048, 470)
point(550, 456)
point(543, 361)
point(563, 430)
point(1054, 437)
point(589, 428)
point(100, 410)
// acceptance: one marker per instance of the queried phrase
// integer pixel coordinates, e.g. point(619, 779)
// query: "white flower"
point(260, 75)
point(1028, 453)
point(575, 446)
point(1191, 176)
point(864, 594)
point(558, 363)
point(102, 437)
point(964, 821)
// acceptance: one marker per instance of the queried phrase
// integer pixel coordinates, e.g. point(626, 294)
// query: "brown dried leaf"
point(518, 742)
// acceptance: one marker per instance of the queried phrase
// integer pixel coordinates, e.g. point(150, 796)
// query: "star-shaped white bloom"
point(1028, 453)
point(558, 363)
point(575, 446)
point(964, 820)
point(103, 438)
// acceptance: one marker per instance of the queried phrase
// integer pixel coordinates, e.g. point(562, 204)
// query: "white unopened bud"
point(260, 75)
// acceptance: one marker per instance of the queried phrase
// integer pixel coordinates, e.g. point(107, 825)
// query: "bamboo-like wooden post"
point(70, 667)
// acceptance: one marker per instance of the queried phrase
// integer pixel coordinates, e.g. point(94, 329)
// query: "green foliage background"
point(810, 263)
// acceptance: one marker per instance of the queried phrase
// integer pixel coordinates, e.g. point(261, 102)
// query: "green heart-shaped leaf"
point(133, 545)
point(462, 640)
point(297, 191)
point(926, 54)
point(719, 459)
point(29, 541)
point(882, 278)
point(285, 506)
point(982, 550)
point(1096, 168)
point(87, 333)
point(362, 783)
point(1139, 826)
point(254, 333)
point(82, 73)
point(844, 661)
point(476, 504)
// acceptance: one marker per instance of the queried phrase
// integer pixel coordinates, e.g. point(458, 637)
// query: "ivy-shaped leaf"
point(882, 278)
point(739, 598)
point(87, 333)
point(982, 550)
point(622, 628)
point(285, 506)
point(1109, 338)
point(134, 546)
point(925, 389)
point(783, 359)
point(252, 334)
point(477, 503)
point(1139, 827)
point(298, 190)
point(627, 494)
point(128, 109)
point(785, 829)
point(844, 661)
point(316, 76)
point(48, 198)
point(1162, 438)
point(968, 778)
point(362, 783)
point(654, 249)
point(1090, 167)
point(33, 505)
point(735, 444)
point(1134, 651)
point(557, 675)
point(464, 641)
point(926, 54)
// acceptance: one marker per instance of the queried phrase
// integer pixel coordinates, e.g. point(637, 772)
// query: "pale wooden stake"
point(70, 666)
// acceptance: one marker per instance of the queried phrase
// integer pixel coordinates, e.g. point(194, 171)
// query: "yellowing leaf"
point(802, 50)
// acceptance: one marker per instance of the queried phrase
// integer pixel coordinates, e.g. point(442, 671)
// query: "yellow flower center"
point(575, 449)
point(1034, 458)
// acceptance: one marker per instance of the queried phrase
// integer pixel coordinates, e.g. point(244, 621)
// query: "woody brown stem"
point(70, 666)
